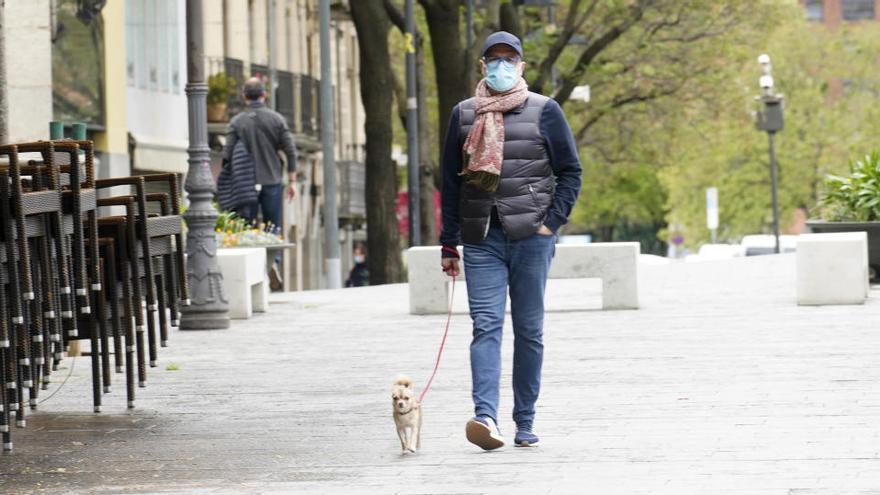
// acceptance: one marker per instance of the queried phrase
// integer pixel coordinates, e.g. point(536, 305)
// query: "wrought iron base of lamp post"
point(209, 307)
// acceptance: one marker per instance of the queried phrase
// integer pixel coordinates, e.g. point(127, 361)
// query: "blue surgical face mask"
point(501, 76)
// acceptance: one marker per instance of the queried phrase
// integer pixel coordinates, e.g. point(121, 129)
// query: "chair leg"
point(62, 287)
point(138, 309)
point(162, 292)
point(150, 292)
point(130, 315)
point(5, 416)
point(68, 314)
point(14, 299)
point(151, 330)
point(174, 295)
point(112, 295)
point(101, 308)
point(36, 336)
point(94, 334)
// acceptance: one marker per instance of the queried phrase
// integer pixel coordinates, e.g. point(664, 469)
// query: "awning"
point(158, 154)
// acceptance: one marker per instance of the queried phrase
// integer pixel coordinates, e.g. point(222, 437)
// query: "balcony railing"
point(297, 95)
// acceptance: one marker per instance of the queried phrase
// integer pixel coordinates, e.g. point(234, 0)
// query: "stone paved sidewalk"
point(719, 384)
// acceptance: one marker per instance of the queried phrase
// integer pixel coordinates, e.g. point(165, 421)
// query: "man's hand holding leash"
point(449, 262)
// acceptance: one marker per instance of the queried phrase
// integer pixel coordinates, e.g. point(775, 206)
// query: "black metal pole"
point(774, 185)
point(208, 308)
point(412, 129)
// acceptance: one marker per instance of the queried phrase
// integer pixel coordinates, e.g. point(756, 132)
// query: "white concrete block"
point(616, 263)
point(428, 288)
point(832, 268)
point(245, 280)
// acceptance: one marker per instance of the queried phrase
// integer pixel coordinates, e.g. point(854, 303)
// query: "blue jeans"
point(491, 267)
point(269, 203)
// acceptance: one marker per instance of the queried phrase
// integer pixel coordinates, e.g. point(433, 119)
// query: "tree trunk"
point(383, 239)
point(449, 57)
point(4, 100)
point(427, 166)
point(509, 20)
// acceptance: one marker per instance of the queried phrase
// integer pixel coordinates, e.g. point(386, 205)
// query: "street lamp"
point(209, 307)
point(770, 121)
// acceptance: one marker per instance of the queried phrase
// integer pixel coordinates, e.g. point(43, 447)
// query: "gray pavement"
point(719, 384)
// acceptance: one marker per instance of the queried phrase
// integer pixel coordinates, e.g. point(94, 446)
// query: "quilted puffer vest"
point(525, 193)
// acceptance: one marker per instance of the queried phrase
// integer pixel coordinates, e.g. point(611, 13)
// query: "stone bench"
point(616, 263)
point(245, 280)
point(832, 268)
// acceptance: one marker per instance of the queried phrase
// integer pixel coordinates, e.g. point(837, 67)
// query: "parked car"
point(758, 244)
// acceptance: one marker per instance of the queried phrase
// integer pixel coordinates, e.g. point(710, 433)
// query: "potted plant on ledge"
point(220, 86)
point(852, 204)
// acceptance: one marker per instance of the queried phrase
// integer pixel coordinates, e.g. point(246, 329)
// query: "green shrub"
point(855, 198)
point(220, 86)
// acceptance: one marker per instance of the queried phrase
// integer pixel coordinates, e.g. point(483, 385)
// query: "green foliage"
point(672, 107)
point(830, 86)
point(232, 230)
point(220, 86)
point(658, 94)
point(856, 197)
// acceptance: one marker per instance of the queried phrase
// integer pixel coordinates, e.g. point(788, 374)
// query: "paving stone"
point(720, 384)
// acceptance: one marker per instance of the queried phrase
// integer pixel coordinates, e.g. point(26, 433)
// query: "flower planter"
point(217, 112)
point(873, 230)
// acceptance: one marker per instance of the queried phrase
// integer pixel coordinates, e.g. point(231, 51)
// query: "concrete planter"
point(873, 230)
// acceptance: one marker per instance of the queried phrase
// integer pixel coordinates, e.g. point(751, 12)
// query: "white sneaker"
point(483, 432)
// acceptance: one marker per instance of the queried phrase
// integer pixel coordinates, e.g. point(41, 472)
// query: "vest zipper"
point(489, 222)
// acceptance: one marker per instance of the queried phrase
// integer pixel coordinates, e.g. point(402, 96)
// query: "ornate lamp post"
point(770, 121)
point(208, 308)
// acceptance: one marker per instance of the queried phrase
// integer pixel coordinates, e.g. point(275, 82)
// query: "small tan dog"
point(407, 414)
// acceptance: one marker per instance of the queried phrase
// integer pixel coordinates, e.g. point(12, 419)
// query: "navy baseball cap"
point(503, 38)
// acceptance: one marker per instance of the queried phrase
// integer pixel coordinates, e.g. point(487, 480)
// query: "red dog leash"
point(442, 342)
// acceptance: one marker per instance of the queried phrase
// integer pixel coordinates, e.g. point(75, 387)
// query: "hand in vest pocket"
point(544, 230)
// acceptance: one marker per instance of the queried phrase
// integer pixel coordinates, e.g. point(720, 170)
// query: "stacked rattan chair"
point(68, 273)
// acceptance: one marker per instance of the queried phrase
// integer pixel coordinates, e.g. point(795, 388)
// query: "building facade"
point(238, 45)
point(120, 67)
point(835, 12)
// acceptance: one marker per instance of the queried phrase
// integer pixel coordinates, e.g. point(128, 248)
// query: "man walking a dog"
point(511, 176)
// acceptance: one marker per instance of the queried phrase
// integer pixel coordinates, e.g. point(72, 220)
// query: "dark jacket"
point(540, 179)
point(359, 276)
point(264, 132)
point(235, 185)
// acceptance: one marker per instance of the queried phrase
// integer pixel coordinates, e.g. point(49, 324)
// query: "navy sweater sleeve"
point(565, 162)
point(450, 234)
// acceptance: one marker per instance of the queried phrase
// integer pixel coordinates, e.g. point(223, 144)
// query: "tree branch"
point(572, 25)
point(623, 101)
point(594, 49)
point(395, 15)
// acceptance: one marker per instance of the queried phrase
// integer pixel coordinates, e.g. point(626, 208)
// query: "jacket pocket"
point(534, 197)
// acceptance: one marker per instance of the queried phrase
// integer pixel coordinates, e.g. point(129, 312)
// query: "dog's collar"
point(404, 414)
